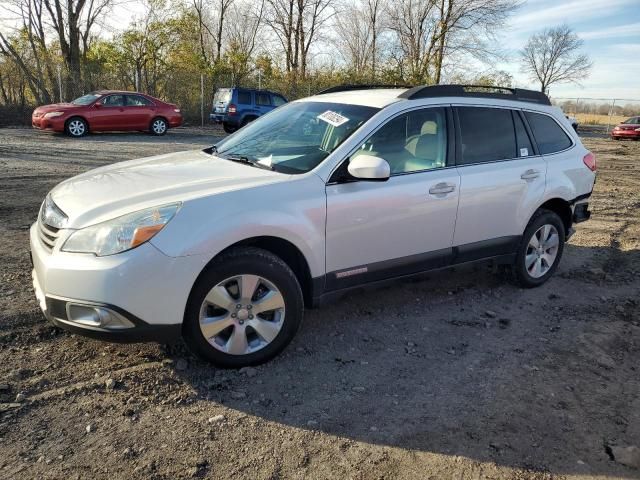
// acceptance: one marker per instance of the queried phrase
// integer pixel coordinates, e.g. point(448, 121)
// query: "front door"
point(108, 113)
point(378, 230)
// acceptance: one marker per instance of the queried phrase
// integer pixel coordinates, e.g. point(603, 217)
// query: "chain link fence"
point(599, 113)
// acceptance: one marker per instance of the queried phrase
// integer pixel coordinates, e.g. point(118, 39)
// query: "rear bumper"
point(223, 118)
point(175, 121)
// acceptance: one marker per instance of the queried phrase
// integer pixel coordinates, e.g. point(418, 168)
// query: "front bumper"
point(145, 287)
point(41, 123)
point(625, 134)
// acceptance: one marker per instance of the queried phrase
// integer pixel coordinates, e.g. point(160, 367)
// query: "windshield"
point(86, 99)
point(296, 137)
point(632, 120)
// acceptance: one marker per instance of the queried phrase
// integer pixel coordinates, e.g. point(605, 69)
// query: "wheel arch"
point(562, 208)
point(284, 249)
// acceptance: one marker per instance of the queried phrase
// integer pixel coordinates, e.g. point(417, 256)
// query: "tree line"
point(56, 50)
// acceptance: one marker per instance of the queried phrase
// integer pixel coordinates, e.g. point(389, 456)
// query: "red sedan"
point(108, 110)
point(630, 128)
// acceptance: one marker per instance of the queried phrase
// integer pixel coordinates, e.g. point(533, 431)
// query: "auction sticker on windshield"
point(333, 118)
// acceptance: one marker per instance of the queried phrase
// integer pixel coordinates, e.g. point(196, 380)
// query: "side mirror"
point(369, 167)
point(97, 105)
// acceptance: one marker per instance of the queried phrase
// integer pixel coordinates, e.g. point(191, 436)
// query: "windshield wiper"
point(245, 160)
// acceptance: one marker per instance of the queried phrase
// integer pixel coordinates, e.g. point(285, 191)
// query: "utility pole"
point(202, 99)
point(59, 69)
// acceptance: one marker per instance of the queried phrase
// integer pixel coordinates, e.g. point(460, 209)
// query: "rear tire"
point(228, 128)
point(158, 126)
point(540, 249)
point(76, 127)
point(244, 309)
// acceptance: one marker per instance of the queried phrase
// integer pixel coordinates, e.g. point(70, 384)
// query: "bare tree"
point(357, 29)
point(553, 56)
point(430, 31)
point(297, 25)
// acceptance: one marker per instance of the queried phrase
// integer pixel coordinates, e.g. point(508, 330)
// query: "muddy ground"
point(456, 375)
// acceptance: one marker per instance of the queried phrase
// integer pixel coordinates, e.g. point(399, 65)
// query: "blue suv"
point(235, 107)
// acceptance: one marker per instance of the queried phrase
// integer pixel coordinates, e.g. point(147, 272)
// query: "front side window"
point(278, 100)
point(137, 101)
point(486, 135)
point(549, 136)
point(296, 137)
point(114, 101)
point(411, 142)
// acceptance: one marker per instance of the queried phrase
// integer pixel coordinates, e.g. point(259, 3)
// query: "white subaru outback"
point(226, 246)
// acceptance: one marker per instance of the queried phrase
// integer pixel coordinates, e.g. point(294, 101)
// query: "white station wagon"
point(227, 246)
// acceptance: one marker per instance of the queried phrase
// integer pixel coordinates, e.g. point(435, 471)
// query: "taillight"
point(232, 109)
point(590, 161)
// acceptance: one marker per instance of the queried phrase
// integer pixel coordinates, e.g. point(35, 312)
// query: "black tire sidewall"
point(228, 128)
point(543, 217)
point(251, 261)
point(84, 122)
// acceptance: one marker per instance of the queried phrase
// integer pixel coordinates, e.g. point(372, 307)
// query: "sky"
point(611, 33)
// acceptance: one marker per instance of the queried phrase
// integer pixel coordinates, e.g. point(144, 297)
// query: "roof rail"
point(505, 93)
point(346, 88)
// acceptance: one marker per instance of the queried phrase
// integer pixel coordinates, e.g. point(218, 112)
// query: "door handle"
point(442, 188)
point(530, 174)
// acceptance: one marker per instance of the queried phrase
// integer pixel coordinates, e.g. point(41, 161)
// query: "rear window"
point(549, 136)
point(244, 98)
point(223, 95)
point(486, 134)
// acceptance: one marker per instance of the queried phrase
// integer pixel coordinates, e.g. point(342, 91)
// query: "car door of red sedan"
point(140, 111)
point(108, 114)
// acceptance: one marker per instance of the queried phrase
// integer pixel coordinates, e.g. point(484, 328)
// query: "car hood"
point(56, 106)
point(125, 187)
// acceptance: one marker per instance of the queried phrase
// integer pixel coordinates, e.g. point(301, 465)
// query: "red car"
point(108, 110)
point(630, 128)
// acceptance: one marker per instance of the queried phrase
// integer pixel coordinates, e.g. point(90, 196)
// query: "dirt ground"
point(458, 375)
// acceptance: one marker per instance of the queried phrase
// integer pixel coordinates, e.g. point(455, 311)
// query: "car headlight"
point(53, 114)
point(637, 129)
point(122, 233)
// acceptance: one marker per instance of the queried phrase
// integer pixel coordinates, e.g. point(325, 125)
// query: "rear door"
point(108, 113)
point(502, 180)
point(139, 112)
point(378, 230)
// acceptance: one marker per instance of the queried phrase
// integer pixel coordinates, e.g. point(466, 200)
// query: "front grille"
point(48, 235)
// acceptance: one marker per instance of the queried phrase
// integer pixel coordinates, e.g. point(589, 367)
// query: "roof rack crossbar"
point(348, 87)
point(506, 93)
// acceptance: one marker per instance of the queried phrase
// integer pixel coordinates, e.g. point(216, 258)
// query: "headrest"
point(428, 147)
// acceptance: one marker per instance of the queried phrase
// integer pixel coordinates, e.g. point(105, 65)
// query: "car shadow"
point(460, 362)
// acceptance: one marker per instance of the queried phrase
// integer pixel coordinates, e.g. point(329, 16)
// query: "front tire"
point(540, 249)
point(76, 127)
point(158, 126)
point(244, 309)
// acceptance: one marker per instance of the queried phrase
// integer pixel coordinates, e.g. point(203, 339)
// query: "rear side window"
point(262, 99)
point(522, 137)
point(137, 101)
point(486, 135)
point(244, 98)
point(549, 136)
point(278, 100)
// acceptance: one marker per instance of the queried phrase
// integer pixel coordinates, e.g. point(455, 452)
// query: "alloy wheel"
point(159, 126)
point(242, 314)
point(542, 251)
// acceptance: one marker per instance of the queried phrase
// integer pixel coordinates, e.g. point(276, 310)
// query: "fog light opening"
point(94, 316)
